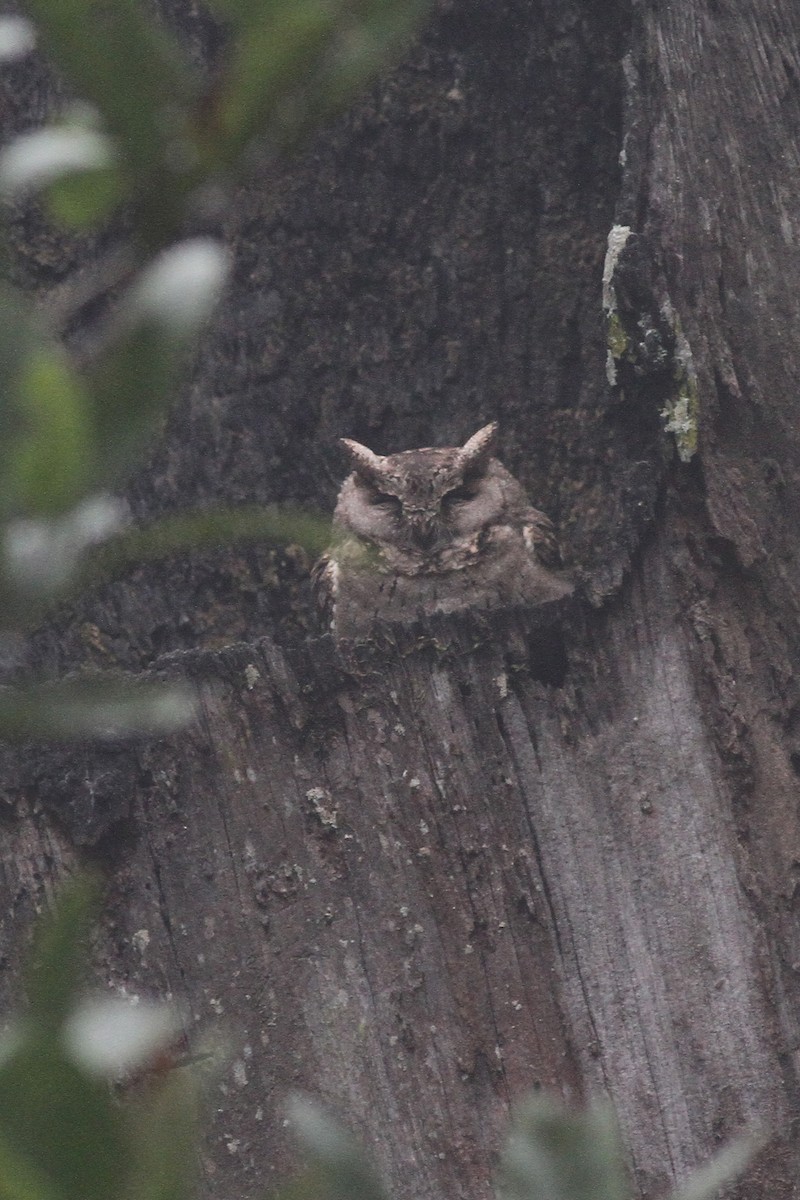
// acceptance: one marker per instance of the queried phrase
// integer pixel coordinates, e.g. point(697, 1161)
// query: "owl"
point(433, 531)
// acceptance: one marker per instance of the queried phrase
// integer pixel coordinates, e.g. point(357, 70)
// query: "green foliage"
point(207, 528)
point(55, 972)
point(49, 465)
point(145, 143)
point(300, 63)
point(554, 1154)
point(99, 706)
point(165, 1134)
point(63, 1133)
point(128, 68)
point(338, 1168)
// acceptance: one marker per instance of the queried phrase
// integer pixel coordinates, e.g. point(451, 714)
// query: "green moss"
point(616, 336)
point(681, 415)
point(650, 351)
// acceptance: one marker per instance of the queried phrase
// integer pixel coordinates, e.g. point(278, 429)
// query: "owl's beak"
point(423, 529)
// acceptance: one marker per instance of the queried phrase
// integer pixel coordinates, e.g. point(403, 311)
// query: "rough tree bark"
point(562, 855)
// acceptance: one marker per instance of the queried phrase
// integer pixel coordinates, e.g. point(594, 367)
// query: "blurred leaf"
point(34, 160)
point(209, 528)
point(555, 1154)
point(81, 201)
point(131, 387)
point(340, 1170)
point(364, 48)
point(17, 339)
point(64, 1124)
point(41, 555)
point(20, 1179)
point(723, 1169)
point(49, 461)
point(179, 291)
point(120, 58)
point(164, 1137)
point(277, 52)
point(46, 448)
point(296, 62)
point(62, 1134)
point(101, 707)
point(56, 968)
point(17, 38)
point(111, 1036)
point(139, 372)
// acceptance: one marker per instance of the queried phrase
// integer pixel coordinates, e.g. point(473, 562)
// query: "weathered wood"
point(425, 887)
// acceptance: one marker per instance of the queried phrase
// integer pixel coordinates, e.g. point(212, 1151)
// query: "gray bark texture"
point(555, 850)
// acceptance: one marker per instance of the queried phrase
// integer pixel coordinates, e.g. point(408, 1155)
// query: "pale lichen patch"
point(681, 413)
point(321, 801)
point(616, 337)
point(141, 940)
point(649, 343)
point(617, 237)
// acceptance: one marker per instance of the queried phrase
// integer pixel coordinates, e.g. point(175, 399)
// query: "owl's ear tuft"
point(364, 461)
point(474, 455)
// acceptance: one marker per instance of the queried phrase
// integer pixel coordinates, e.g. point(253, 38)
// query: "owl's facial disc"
point(422, 502)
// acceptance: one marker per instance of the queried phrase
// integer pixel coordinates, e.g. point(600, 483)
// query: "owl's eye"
point(386, 501)
point(460, 495)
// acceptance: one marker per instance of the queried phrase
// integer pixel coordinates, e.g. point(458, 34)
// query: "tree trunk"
point(555, 849)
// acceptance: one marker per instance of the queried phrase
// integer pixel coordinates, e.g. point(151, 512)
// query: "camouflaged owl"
point(433, 531)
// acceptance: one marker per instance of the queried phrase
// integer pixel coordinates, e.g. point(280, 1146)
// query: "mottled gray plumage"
point(433, 531)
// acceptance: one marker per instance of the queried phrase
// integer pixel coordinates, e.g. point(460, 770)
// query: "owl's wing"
point(539, 535)
point(323, 586)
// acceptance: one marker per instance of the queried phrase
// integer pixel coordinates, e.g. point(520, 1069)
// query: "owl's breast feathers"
point(539, 536)
point(497, 546)
point(324, 578)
